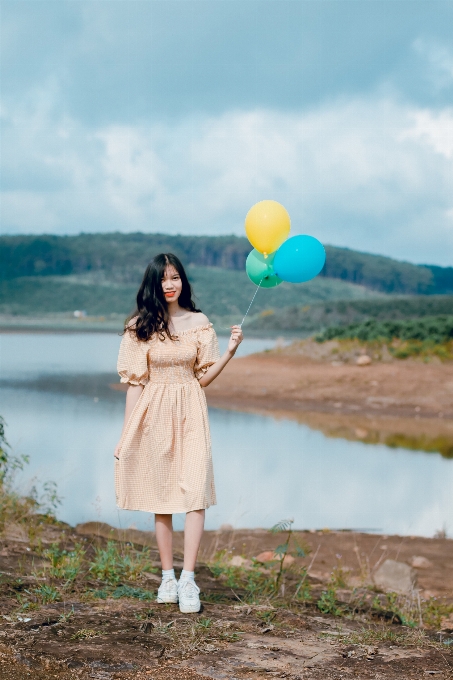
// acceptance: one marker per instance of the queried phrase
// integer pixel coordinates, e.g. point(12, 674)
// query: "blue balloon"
point(299, 259)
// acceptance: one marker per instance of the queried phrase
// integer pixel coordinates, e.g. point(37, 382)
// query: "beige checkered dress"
point(165, 463)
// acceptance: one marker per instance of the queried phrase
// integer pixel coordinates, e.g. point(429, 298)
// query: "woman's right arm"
point(132, 396)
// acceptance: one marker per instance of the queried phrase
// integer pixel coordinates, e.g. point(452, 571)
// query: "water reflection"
point(60, 411)
point(266, 470)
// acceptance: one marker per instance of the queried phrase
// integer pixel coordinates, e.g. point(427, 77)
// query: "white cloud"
point(439, 58)
point(365, 173)
point(436, 129)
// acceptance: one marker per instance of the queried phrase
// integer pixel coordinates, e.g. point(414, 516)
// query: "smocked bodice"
point(172, 361)
point(168, 362)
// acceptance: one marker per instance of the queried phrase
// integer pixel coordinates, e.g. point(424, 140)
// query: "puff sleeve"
point(132, 363)
point(207, 351)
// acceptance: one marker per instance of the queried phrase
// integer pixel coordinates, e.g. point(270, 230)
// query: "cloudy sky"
point(177, 116)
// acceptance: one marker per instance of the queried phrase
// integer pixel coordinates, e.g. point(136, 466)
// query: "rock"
point(322, 576)
point(363, 360)
point(267, 556)
point(15, 533)
point(395, 577)
point(446, 623)
point(238, 561)
point(226, 527)
point(270, 556)
point(419, 562)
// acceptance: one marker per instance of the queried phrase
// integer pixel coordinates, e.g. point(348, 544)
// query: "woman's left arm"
point(214, 370)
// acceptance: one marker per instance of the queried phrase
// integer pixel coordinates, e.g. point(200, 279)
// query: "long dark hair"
point(152, 311)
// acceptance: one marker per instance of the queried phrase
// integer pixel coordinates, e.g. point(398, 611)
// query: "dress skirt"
point(165, 463)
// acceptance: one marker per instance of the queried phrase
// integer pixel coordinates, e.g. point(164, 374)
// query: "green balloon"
point(260, 270)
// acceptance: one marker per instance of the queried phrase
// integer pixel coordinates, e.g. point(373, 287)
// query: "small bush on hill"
point(436, 330)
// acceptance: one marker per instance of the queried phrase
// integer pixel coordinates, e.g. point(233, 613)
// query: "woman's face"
point(171, 284)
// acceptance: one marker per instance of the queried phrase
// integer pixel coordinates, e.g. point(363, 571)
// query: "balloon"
point(299, 259)
point(267, 225)
point(257, 267)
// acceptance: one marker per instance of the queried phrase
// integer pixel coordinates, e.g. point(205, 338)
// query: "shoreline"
point(403, 403)
point(63, 324)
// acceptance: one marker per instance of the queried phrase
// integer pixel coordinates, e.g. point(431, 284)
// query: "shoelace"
point(190, 589)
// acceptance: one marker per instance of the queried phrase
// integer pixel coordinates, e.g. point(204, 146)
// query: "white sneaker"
point(188, 594)
point(167, 591)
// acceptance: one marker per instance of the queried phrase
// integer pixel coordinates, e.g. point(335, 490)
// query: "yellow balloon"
point(267, 225)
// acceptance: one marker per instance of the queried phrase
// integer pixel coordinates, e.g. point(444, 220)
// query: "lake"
point(60, 411)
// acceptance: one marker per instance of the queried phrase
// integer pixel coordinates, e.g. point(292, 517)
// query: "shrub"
point(117, 562)
point(434, 329)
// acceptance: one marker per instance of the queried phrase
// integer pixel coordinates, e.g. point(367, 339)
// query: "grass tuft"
point(118, 562)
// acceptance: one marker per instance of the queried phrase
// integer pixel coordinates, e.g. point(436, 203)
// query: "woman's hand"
point(215, 370)
point(235, 339)
point(116, 453)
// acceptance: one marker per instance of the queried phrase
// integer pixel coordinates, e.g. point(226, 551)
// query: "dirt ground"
point(83, 635)
point(401, 403)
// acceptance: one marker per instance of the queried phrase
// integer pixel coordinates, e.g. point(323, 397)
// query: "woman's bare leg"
point(164, 537)
point(193, 531)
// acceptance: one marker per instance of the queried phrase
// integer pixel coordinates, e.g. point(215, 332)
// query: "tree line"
point(123, 257)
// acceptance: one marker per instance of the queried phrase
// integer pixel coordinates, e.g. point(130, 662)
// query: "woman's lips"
point(169, 294)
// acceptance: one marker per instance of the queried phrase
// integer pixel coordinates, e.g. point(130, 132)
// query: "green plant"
point(127, 591)
point(303, 588)
point(220, 568)
point(267, 616)
point(338, 577)
point(17, 508)
point(144, 615)
point(119, 561)
point(85, 634)
point(253, 583)
point(47, 593)
point(49, 499)
point(4, 456)
point(282, 550)
point(405, 609)
point(24, 603)
point(433, 610)
point(64, 564)
point(327, 603)
point(64, 618)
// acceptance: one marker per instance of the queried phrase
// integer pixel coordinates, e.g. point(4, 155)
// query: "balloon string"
point(257, 289)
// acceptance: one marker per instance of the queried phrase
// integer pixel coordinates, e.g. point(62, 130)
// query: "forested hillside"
point(122, 257)
point(219, 293)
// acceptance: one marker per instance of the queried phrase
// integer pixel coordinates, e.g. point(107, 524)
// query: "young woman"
point(168, 353)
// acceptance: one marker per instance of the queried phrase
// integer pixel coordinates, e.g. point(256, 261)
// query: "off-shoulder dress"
point(165, 463)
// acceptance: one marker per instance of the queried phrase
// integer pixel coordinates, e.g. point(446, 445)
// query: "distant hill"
point(224, 293)
point(121, 258)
